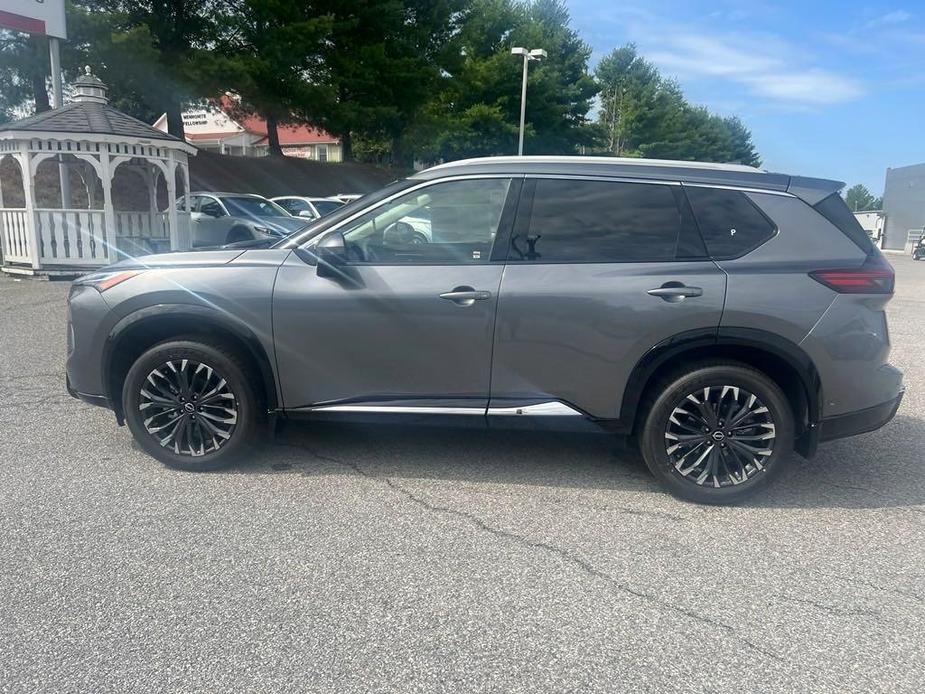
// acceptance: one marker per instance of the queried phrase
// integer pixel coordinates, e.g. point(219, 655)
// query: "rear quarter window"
point(836, 210)
point(730, 223)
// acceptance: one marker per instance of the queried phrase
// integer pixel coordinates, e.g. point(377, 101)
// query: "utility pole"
point(528, 55)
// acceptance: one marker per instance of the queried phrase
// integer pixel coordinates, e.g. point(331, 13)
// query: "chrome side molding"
point(399, 409)
point(552, 408)
point(542, 409)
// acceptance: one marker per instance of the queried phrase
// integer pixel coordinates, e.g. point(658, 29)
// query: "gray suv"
point(721, 316)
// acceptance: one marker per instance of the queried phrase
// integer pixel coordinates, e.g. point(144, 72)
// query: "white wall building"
point(873, 222)
point(211, 128)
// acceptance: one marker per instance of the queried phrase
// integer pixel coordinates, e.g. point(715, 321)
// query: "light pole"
point(528, 55)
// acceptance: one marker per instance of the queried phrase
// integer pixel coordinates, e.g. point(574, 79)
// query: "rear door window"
point(582, 221)
point(730, 223)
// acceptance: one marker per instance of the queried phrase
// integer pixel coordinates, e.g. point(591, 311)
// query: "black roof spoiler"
point(813, 190)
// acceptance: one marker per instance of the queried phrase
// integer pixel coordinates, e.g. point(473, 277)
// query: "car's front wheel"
point(190, 404)
point(717, 433)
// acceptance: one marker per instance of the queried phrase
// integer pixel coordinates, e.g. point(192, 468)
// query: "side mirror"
point(332, 254)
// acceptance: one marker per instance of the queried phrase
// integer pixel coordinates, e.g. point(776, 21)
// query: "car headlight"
point(101, 281)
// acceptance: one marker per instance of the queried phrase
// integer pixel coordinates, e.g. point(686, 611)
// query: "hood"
point(286, 225)
point(179, 259)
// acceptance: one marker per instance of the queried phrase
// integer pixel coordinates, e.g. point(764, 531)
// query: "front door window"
point(451, 223)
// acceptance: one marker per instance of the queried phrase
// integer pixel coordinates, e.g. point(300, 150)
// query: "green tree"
point(153, 54)
point(274, 55)
point(478, 111)
point(384, 61)
point(859, 199)
point(23, 70)
point(644, 114)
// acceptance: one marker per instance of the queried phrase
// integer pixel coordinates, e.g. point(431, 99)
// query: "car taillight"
point(875, 276)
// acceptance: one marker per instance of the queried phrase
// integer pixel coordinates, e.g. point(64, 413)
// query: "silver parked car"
point(310, 208)
point(221, 218)
point(721, 316)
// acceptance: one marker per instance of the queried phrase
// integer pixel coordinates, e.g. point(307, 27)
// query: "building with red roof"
point(215, 128)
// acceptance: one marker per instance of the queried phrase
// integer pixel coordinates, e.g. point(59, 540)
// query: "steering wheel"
point(399, 234)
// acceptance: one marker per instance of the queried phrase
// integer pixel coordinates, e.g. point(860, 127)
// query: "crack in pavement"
point(35, 304)
point(585, 566)
point(832, 610)
point(873, 586)
point(37, 375)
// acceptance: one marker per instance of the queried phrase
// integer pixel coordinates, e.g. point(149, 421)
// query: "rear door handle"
point(675, 292)
point(465, 296)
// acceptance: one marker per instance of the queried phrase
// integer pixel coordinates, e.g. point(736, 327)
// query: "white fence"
point(71, 237)
point(142, 224)
point(78, 237)
point(14, 236)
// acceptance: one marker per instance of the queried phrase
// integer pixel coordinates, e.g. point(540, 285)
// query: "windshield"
point(246, 206)
point(326, 207)
point(343, 212)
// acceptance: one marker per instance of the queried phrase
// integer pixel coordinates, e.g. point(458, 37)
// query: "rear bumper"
point(859, 422)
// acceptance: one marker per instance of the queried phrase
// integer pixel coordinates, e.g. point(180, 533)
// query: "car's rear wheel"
point(717, 433)
point(190, 404)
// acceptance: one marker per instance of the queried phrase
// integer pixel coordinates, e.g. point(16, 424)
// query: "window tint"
point(599, 222)
point(293, 205)
point(836, 210)
point(327, 206)
point(730, 223)
point(446, 223)
point(211, 207)
point(253, 207)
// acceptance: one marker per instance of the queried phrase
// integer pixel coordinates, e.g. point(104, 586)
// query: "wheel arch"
point(142, 329)
point(782, 360)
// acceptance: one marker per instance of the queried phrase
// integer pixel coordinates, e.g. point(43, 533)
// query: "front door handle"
point(465, 296)
point(675, 292)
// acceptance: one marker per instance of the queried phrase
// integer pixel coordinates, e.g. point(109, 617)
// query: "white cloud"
point(894, 17)
point(765, 66)
point(807, 87)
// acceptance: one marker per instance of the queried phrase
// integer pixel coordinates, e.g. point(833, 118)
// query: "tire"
point(747, 457)
point(153, 385)
point(236, 234)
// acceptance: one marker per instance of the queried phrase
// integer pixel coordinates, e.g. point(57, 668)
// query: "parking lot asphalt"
point(349, 558)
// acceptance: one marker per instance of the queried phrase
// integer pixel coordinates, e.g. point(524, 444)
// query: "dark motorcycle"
point(918, 251)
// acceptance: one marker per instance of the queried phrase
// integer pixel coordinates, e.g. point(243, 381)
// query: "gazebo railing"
point(142, 224)
point(77, 237)
point(71, 237)
point(14, 235)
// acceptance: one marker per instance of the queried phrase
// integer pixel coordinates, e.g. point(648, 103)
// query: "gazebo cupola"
point(61, 218)
point(88, 88)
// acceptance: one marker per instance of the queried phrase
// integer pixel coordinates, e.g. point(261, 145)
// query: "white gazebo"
point(62, 219)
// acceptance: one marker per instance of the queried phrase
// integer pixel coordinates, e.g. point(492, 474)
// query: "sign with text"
point(34, 17)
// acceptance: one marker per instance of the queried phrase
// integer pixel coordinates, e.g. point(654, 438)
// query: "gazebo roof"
point(85, 117)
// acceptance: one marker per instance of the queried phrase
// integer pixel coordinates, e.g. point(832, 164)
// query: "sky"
point(828, 89)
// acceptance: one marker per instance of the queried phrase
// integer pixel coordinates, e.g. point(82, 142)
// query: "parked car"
point(311, 208)
point(721, 316)
point(348, 197)
point(222, 218)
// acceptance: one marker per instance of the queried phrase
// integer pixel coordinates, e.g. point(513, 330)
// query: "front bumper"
point(860, 422)
point(98, 400)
